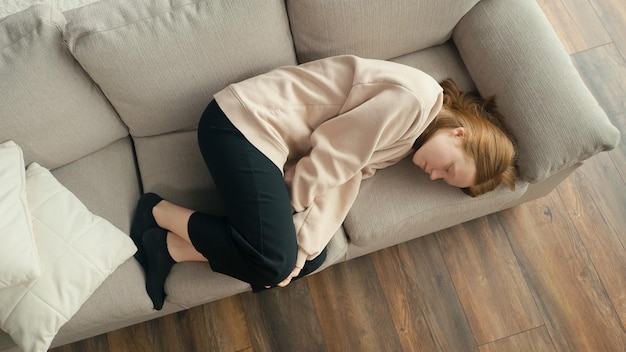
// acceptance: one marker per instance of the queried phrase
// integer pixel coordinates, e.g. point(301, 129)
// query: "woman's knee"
point(278, 268)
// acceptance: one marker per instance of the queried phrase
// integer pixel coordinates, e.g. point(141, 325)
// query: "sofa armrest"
point(511, 51)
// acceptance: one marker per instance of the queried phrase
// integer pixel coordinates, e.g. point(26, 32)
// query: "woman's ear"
point(459, 132)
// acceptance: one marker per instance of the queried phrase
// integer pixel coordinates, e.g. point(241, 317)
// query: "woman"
point(288, 151)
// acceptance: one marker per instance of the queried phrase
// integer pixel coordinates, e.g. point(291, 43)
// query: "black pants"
point(256, 240)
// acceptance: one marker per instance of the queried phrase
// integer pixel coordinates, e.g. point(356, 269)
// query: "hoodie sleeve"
point(325, 183)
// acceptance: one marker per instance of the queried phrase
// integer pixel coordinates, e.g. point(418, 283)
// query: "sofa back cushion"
point(380, 29)
point(160, 61)
point(46, 97)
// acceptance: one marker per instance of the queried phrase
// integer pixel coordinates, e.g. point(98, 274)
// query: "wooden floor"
point(549, 275)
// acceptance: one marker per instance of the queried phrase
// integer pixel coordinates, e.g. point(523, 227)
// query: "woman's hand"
point(294, 273)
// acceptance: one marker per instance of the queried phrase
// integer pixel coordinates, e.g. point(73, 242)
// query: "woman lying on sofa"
point(288, 150)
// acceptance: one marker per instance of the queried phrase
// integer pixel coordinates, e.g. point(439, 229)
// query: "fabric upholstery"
point(78, 251)
point(7, 344)
point(440, 62)
point(160, 62)
point(537, 85)
point(371, 28)
point(190, 284)
point(126, 288)
point(19, 261)
point(46, 96)
point(401, 202)
point(171, 165)
point(106, 182)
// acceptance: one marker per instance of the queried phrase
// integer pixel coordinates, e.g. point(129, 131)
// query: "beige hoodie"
point(328, 124)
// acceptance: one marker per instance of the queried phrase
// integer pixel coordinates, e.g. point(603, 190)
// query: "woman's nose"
point(434, 175)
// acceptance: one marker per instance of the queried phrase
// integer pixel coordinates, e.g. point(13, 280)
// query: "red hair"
point(486, 143)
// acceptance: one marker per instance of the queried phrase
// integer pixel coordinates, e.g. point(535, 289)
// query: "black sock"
point(143, 221)
point(159, 264)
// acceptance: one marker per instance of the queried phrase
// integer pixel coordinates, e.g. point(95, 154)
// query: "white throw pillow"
point(78, 251)
point(19, 261)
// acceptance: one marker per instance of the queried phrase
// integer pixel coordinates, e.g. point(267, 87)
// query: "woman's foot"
point(143, 221)
point(159, 264)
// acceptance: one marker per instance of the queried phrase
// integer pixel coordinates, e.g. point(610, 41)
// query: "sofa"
point(108, 96)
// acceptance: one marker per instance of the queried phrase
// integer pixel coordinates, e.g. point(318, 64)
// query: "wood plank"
point(575, 23)
point(283, 319)
point(162, 333)
point(563, 25)
point(132, 338)
point(94, 344)
point(535, 340)
point(488, 279)
point(575, 306)
point(422, 300)
point(182, 331)
point(259, 330)
point(352, 308)
point(600, 220)
point(588, 23)
point(226, 325)
point(612, 13)
point(249, 349)
point(604, 72)
point(600, 211)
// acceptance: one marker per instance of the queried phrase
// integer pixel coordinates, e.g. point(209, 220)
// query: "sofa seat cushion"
point(160, 61)
point(107, 183)
point(401, 203)
point(191, 284)
point(78, 251)
point(46, 96)
point(324, 28)
point(171, 165)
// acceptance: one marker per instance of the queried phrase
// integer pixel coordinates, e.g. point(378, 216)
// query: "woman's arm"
point(325, 183)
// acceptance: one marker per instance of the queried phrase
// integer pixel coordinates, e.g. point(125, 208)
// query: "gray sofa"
point(108, 97)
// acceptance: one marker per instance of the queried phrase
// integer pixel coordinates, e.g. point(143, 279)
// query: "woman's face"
point(443, 157)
